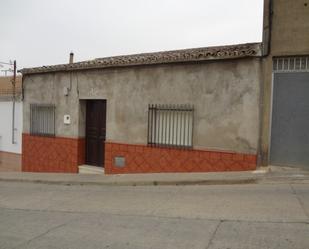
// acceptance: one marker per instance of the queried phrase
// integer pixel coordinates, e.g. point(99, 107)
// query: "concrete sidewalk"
point(264, 175)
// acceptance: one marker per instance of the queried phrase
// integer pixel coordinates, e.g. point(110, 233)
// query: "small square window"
point(42, 120)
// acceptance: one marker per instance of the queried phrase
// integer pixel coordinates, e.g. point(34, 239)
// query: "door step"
point(88, 169)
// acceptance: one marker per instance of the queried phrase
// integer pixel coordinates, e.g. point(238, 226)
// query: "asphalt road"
point(209, 217)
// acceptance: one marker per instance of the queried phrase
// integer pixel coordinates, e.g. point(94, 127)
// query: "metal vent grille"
point(42, 120)
point(291, 64)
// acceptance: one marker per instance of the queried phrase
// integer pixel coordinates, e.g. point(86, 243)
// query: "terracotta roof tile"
point(175, 56)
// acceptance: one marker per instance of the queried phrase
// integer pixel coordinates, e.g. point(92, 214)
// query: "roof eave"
point(166, 57)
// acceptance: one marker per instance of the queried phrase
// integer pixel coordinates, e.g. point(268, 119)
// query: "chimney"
point(71, 57)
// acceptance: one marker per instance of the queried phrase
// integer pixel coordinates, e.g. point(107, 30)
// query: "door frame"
point(271, 115)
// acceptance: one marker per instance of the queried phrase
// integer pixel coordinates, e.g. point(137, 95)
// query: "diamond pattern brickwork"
point(52, 154)
point(145, 159)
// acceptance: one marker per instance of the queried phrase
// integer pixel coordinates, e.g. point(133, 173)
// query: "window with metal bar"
point(291, 64)
point(42, 120)
point(170, 125)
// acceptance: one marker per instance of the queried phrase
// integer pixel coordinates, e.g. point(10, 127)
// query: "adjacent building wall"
point(289, 25)
point(6, 145)
point(10, 154)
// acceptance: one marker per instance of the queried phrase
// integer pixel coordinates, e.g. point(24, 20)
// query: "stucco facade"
point(225, 96)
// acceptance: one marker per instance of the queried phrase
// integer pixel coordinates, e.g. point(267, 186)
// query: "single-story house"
point(225, 108)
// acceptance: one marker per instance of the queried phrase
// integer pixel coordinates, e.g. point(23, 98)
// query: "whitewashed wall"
point(6, 127)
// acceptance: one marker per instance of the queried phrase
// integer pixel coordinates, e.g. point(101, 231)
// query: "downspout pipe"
point(14, 100)
point(267, 27)
point(266, 51)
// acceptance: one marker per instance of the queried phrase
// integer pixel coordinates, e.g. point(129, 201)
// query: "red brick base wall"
point(145, 159)
point(52, 154)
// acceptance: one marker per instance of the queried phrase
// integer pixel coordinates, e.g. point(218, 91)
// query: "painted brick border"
point(52, 154)
point(145, 159)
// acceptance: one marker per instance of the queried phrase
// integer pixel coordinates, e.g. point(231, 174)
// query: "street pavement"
point(248, 216)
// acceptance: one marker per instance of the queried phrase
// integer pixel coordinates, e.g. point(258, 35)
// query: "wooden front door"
point(95, 132)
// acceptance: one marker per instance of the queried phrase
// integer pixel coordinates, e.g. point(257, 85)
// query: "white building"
point(10, 128)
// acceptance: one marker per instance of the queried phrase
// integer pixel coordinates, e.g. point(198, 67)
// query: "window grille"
point(170, 125)
point(291, 64)
point(42, 120)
